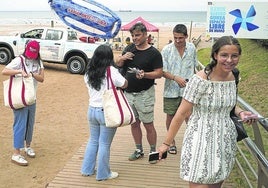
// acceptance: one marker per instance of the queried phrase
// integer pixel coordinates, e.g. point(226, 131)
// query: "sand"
point(61, 123)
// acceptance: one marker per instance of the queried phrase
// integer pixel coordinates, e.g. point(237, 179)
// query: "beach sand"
point(61, 122)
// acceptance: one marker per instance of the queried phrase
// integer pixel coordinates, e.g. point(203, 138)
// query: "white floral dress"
point(209, 144)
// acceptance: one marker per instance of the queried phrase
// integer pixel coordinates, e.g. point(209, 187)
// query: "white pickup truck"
point(57, 45)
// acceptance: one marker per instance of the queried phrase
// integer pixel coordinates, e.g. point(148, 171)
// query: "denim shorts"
point(142, 104)
point(171, 105)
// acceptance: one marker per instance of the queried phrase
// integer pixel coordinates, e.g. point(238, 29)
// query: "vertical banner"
point(241, 19)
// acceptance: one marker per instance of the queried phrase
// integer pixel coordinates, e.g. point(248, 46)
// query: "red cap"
point(32, 49)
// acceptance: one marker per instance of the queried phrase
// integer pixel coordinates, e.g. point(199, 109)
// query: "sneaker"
point(30, 152)
point(113, 175)
point(18, 159)
point(136, 155)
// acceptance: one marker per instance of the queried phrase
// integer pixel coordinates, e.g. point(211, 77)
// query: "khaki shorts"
point(142, 104)
point(171, 105)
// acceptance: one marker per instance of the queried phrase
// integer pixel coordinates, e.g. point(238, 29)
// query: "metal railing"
point(256, 148)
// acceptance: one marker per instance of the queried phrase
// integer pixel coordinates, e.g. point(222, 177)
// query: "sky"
point(115, 5)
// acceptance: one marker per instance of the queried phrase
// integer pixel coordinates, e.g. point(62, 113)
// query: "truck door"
point(52, 46)
point(34, 34)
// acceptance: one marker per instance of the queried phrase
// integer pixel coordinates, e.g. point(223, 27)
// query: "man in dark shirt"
point(147, 61)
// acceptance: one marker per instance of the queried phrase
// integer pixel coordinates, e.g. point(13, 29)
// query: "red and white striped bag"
point(19, 91)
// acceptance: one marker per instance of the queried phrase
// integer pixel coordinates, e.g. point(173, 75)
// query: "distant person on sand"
point(149, 39)
point(97, 154)
point(128, 42)
point(179, 62)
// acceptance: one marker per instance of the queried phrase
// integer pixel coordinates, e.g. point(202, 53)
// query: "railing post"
point(262, 179)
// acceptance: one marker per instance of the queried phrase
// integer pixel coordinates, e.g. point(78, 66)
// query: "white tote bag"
point(117, 111)
point(19, 91)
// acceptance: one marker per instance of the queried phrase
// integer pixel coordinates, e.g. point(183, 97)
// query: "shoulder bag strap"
point(109, 78)
point(22, 64)
point(23, 85)
point(22, 89)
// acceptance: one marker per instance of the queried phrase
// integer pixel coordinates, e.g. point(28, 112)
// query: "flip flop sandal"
point(172, 150)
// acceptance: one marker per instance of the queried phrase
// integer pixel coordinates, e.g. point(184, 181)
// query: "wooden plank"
point(131, 173)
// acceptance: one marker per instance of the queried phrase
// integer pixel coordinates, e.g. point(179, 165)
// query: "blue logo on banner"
point(245, 23)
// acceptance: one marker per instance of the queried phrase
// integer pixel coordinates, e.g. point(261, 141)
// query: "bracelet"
point(241, 112)
point(166, 144)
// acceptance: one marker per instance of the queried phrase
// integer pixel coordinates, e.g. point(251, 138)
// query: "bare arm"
point(243, 114)
point(156, 73)
point(120, 60)
point(181, 81)
point(39, 76)
point(11, 72)
point(125, 84)
point(182, 113)
point(168, 75)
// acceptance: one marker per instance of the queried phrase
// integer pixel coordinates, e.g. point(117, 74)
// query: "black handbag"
point(241, 132)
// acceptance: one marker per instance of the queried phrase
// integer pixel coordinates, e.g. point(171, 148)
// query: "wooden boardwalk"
point(136, 174)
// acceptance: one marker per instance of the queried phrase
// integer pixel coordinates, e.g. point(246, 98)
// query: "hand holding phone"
point(250, 117)
point(134, 70)
point(155, 156)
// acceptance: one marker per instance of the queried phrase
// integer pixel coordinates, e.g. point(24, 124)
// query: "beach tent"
point(150, 27)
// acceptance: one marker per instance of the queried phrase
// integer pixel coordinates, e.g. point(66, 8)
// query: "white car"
point(57, 45)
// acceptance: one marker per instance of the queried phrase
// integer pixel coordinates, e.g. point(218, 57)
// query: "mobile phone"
point(252, 116)
point(155, 156)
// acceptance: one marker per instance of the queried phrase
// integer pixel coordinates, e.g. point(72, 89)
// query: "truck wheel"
point(76, 65)
point(5, 56)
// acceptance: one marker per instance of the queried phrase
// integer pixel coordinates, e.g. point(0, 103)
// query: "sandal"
point(172, 150)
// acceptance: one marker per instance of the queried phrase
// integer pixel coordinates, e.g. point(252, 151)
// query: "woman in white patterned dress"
point(209, 144)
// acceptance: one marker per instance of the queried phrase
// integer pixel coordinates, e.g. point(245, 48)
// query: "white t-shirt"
point(95, 97)
point(33, 66)
point(30, 65)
